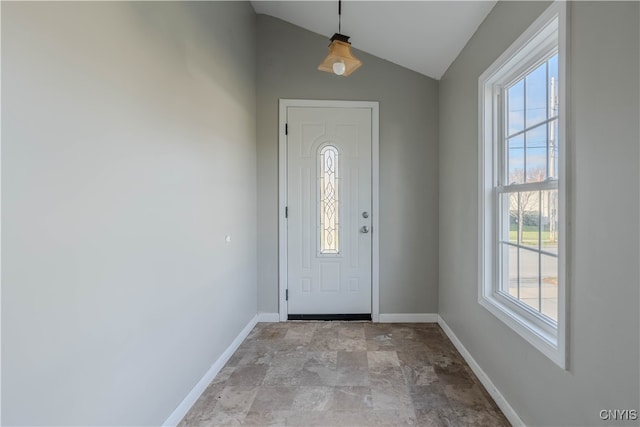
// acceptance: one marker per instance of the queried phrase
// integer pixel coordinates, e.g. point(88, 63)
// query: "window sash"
point(502, 186)
point(500, 282)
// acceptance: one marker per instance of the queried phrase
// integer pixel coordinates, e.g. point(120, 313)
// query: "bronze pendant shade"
point(340, 60)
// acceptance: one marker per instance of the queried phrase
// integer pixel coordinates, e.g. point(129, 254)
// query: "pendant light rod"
point(339, 16)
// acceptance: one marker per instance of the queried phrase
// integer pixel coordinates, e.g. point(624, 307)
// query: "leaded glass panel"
point(329, 200)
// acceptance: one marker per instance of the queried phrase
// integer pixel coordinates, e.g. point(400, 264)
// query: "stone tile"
point(381, 342)
point(267, 418)
point(270, 332)
point(251, 375)
point(379, 360)
point(222, 419)
point(388, 377)
point(454, 373)
point(369, 418)
point(313, 399)
point(300, 332)
point(231, 408)
point(203, 407)
point(404, 330)
point(386, 418)
point(254, 332)
point(349, 344)
point(428, 397)
point(478, 418)
point(413, 358)
point(443, 355)
point(351, 399)
point(419, 375)
point(379, 336)
point(351, 338)
point(411, 344)
point(320, 369)
point(223, 375)
point(352, 368)
point(284, 345)
point(236, 399)
point(384, 369)
point(325, 339)
point(391, 398)
point(278, 398)
point(441, 417)
point(351, 329)
point(249, 345)
point(235, 358)
point(315, 418)
point(352, 360)
point(256, 356)
point(286, 369)
point(467, 397)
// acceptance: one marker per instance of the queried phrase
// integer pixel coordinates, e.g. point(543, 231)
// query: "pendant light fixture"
point(340, 60)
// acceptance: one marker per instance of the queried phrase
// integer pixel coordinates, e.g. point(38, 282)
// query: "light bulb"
point(339, 68)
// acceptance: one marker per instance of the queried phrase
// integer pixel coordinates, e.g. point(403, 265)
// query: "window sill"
point(535, 335)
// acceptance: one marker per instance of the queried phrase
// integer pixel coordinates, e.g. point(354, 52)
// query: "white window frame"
point(548, 31)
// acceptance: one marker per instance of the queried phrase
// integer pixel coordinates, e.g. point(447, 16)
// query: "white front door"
point(329, 210)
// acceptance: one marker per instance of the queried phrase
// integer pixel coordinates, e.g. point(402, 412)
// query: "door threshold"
point(331, 317)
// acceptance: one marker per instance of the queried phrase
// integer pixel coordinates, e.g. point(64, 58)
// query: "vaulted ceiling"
point(424, 36)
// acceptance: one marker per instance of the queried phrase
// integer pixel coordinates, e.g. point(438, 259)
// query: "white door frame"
point(282, 196)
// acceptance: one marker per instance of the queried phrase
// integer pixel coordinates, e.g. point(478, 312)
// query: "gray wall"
point(287, 60)
point(128, 154)
point(603, 344)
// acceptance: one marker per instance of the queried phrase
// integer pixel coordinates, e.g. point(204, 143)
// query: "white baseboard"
point(500, 400)
point(268, 317)
point(408, 318)
point(178, 414)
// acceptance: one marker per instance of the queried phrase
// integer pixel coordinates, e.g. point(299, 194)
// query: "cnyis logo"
point(619, 414)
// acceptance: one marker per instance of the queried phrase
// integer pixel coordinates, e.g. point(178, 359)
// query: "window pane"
point(553, 149)
point(536, 154)
point(512, 199)
point(536, 95)
point(523, 209)
point(549, 268)
point(549, 218)
point(553, 86)
point(529, 278)
point(528, 274)
point(515, 102)
point(510, 263)
point(329, 207)
point(515, 159)
point(531, 232)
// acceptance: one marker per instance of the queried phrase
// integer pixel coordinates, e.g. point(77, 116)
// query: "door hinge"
point(286, 128)
point(286, 211)
point(286, 295)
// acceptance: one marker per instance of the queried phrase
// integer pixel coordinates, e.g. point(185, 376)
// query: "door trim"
point(282, 197)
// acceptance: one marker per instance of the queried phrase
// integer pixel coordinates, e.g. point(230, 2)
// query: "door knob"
point(365, 214)
point(364, 229)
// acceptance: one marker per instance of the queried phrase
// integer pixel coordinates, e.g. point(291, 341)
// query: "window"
point(522, 185)
point(329, 206)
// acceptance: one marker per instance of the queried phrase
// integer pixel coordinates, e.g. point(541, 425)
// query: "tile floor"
point(345, 374)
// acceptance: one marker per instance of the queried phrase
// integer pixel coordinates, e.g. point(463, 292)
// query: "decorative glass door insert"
point(329, 200)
